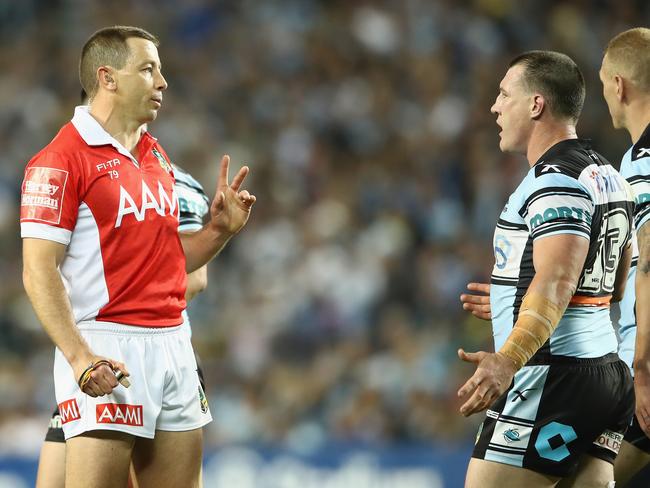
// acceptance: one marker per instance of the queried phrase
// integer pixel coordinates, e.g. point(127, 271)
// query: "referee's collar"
point(94, 134)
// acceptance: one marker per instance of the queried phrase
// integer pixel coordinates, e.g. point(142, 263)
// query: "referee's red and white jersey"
point(119, 219)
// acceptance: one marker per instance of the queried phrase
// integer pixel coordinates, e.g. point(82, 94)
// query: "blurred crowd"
point(375, 162)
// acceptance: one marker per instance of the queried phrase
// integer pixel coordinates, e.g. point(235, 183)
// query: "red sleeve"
point(50, 192)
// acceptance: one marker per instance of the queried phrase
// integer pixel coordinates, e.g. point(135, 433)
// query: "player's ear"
point(621, 87)
point(106, 78)
point(537, 106)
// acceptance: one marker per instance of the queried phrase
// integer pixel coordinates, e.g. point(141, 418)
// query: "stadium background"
point(329, 329)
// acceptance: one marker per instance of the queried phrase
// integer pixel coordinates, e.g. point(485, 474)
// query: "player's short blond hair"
point(629, 54)
point(107, 47)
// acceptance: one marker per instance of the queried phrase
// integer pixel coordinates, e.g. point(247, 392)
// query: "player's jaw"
point(507, 135)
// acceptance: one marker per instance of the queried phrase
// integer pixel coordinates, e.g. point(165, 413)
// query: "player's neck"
point(637, 119)
point(124, 130)
point(545, 136)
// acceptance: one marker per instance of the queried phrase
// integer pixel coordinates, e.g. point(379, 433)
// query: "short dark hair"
point(557, 78)
point(107, 47)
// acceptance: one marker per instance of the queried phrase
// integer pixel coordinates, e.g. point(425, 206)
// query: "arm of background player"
point(642, 346)
point(558, 262)
point(622, 273)
point(478, 305)
point(45, 289)
point(229, 213)
point(197, 281)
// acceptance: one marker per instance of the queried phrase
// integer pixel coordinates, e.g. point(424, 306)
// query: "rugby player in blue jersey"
point(625, 75)
point(555, 386)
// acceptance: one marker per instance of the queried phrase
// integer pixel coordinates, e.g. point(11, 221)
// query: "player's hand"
point(231, 206)
point(102, 379)
point(493, 376)
point(642, 397)
point(478, 305)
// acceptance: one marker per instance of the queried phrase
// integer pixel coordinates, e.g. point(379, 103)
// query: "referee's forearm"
point(47, 294)
point(202, 246)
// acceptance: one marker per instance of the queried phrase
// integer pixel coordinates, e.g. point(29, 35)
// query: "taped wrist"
point(538, 318)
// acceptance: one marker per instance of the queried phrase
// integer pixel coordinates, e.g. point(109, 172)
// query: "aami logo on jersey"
point(164, 204)
point(119, 413)
point(42, 194)
point(69, 411)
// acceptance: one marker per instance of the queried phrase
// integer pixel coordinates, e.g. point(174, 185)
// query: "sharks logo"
point(511, 435)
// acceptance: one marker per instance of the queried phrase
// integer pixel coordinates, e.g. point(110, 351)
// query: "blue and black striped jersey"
point(193, 203)
point(570, 190)
point(635, 168)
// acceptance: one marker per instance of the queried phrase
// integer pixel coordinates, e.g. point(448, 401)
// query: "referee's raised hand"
point(231, 206)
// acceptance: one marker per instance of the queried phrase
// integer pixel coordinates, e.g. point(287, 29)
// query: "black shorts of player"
point(557, 411)
point(637, 437)
point(55, 431)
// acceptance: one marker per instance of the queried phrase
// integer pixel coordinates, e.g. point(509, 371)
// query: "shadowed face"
point(608, 79)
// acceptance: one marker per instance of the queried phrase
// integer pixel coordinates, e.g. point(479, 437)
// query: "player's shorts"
point(165, 393)
point(55, 432)
point(554, 413)
point(637, 437)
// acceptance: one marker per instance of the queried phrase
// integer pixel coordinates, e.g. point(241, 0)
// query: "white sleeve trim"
point(189, 227)
point(45, 231)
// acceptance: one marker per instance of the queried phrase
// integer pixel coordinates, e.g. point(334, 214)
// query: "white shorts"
point(165, 393)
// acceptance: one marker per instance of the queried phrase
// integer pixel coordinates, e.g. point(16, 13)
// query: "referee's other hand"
point(101, 379)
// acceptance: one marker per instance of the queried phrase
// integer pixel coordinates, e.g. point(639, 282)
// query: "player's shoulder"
point(554, 174)
point(568, 158)
point(569, 164)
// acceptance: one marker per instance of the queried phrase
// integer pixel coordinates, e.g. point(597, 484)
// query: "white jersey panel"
point(84, 265)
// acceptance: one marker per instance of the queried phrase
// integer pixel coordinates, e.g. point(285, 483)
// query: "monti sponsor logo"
point(550, 214)
point(69, 411)
point(119, 413)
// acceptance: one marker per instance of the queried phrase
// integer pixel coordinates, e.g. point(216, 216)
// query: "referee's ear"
point(106, 78)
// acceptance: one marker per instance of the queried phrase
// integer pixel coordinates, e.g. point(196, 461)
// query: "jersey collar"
point(94, 134)
point(563, 146)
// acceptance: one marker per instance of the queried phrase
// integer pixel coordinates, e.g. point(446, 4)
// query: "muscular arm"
point(201, 246)
point(642, 344)
point(558, 262)
point(44, 287)
point(642, 288)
